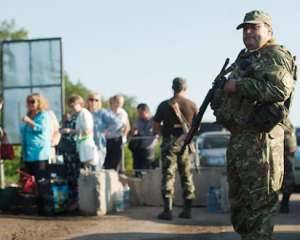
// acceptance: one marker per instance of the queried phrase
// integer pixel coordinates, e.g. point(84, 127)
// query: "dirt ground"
point(139, 223)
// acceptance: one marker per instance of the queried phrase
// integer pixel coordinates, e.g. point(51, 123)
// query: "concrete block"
point(147, 191)
point(111, 187)
point(136, 193)
point(96, 191)
point(91, 193)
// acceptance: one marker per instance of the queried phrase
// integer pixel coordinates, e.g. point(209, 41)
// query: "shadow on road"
point(165, 236)
point(156, 236)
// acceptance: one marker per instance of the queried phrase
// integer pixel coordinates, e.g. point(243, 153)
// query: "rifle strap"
point(184, 123)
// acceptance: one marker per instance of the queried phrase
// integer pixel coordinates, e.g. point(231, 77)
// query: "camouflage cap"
point(179, 84)
point(255, 17)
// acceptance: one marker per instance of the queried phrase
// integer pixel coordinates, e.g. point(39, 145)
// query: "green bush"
point(10, 167)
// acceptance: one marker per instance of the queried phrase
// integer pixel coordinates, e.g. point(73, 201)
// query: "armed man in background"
point(252, 106)
point(172, 114)
point(290, 147)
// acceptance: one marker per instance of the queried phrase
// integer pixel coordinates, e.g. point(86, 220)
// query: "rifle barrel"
point(198, 119)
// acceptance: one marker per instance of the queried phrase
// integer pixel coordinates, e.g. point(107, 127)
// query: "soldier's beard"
point(254, 42)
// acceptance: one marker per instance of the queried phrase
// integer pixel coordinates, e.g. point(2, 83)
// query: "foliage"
point(8, 31)
point(130, 107)
point(128, 159)
point(73, 88)
point(10, 167)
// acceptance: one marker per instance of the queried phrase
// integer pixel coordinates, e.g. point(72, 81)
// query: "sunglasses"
point(32, 101)
point(93, 100)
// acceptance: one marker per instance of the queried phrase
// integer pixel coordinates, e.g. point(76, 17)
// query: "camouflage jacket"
point(265, 76)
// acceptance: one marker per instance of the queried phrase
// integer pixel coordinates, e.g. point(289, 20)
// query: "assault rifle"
point(217, 83)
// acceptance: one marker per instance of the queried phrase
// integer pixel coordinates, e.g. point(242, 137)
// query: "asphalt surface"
point(141, 223)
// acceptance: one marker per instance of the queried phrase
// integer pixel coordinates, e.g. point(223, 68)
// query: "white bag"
point(88, 152)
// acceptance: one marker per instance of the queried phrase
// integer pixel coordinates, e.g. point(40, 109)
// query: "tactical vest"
point(243, 112)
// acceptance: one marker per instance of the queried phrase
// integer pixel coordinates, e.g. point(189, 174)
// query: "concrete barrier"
point(147, 190)
point(96, 191)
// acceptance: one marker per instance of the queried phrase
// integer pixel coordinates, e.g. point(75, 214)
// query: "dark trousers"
point(113, 154)
point(142, 158)
point(36, 168)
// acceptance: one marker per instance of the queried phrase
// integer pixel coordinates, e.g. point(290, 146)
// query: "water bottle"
point(119, 199)
point(127, 196)
point(212, 200)
point(53, 177)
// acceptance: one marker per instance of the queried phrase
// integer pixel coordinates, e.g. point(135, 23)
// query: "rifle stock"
point(196, 124)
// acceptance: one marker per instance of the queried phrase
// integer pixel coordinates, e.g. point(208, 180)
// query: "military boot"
point(166, 214)
point(187, 209)
point(285, 202)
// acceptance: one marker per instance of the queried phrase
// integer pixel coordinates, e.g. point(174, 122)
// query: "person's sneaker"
point(165, 215)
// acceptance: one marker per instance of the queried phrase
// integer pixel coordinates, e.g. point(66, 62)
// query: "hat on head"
point(179, 84)
point(256, 17)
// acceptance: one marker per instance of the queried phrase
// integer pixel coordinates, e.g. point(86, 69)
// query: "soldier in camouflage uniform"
point(290, 147)
point(263, 75)
point(172, 132)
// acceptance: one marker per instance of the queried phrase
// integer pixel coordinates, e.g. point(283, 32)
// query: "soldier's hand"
point(230, 86)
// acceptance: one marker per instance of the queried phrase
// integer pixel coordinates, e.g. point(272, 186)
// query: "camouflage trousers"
point(255, 172)
point(170, 161)
point(289, 176)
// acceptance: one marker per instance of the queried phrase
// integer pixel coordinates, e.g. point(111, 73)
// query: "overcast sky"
point(137, 47)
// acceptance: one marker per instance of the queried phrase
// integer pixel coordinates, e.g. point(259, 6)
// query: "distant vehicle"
point(209, 127)
point(211, 148)
point(297, 159)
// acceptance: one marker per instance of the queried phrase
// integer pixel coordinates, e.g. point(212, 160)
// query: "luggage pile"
point(47, 196)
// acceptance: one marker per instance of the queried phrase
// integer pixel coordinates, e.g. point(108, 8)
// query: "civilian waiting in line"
point(102, 121)
point(36, 136)
point(84, 130)
point(143, 140)
point(116, 136)
point(67, 148)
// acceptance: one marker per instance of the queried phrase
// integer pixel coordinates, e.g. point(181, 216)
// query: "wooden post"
point(2, 176)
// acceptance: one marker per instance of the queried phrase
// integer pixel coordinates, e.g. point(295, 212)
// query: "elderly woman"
point(36, 136)
point(116, 135)
point(102, 121)
point(84, 131)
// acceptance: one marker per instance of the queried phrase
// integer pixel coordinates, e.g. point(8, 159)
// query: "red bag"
point(6, 149)
point(28, 182)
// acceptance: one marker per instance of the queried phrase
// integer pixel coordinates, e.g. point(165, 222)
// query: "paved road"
point(141, 223)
